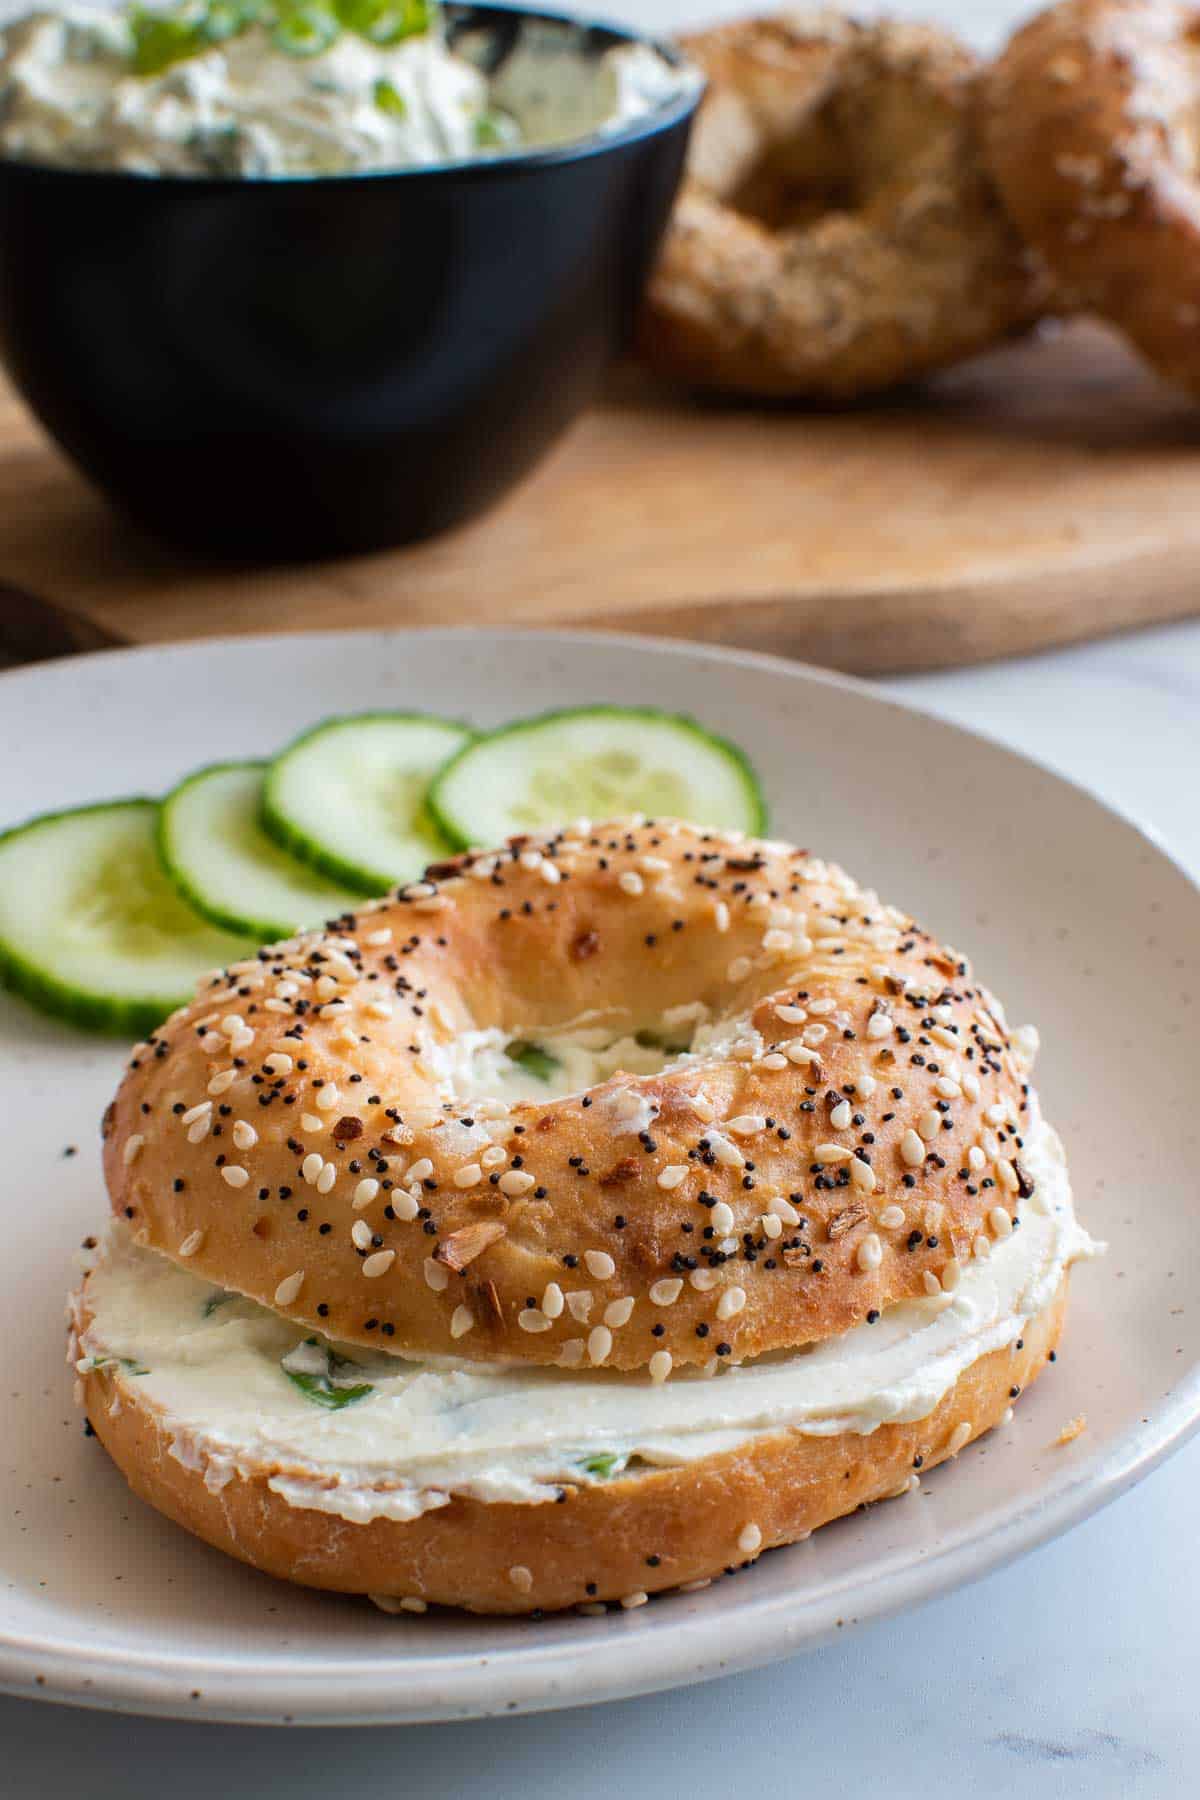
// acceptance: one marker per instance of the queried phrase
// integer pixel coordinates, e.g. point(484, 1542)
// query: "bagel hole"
point(794, 184)
point(546, 1065)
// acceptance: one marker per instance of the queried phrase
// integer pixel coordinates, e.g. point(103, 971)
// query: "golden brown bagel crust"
point(842, 1154)
point(837, 232)
point(629, 1537)
point(1089, 131)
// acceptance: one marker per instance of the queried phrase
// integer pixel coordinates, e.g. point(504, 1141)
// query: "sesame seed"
point(244, 1135)
point(672, 1175)
point(378, 1264)
point(892, 1218)
point(771, 1226)
point(599, 1344)
point(365, 1192)
point(532, 1318)
point(931, 1283)
point(421, 1170)
point(951, 1275)
point(667, 1291)
point(1007, 1175)
point(870, 1252)
point(832, 1153)
point(750, 1539)
point(470, 1175)
point(288, 1288)
point(191, 1243)
point(519, 1575)
point(731, 1302)
point(516, 1181)
point(1000, 1222)
point(360, 1234)
point(630, 1601)
point(928, 1125)
point(660, 1365)
point(912, 1150)
point(959, 1438)
point(863, 1176)
point(722, 1218)
point(599, 1262)
point(132, 1148)
point(747, 1124)
point(326, 1179)
point(278, 1063)
point(233, 1176)
point(792, 1015)
point(436, 1276)
point(618, 1312)
point(630, 882)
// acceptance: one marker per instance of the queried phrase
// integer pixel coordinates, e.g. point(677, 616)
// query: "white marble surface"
point(1073, 1673)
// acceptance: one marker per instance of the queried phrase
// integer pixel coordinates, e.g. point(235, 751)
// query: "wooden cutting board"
point(1045, 493)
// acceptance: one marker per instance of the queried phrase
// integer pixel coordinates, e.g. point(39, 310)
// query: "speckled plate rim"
point(750, 1629)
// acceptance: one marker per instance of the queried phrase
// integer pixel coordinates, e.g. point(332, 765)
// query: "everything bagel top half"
point(788, 1108)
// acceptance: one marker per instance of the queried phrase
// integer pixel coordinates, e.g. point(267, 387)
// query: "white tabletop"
point(1072, 1673)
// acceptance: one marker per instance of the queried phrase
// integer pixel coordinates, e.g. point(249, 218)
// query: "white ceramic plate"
point(1069, 912)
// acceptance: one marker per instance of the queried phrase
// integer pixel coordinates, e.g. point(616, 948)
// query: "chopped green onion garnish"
point(603, 1464)
point(533, 1059)
point(319, 1386)
point(304, 30)
point(488, 135)
point(389, 99)
point(385, 22)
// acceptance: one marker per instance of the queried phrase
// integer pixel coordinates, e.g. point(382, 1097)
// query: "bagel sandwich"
point(578, 1222)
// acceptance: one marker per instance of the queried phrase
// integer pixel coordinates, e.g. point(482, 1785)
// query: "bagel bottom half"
point(616, 1542)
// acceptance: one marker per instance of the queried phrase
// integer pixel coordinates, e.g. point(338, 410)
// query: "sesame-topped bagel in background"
point(837, 233)
point(638, 1096)
point(1089, 127)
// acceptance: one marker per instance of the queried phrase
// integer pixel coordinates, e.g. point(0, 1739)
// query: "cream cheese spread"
point(362, 1435)
point(87, 88)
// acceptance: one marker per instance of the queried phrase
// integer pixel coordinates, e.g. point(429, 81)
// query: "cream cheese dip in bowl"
point(290, 280)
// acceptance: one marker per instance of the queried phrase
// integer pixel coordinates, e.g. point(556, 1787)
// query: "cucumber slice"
point(600, 762)
point(348, 797)
point(224, 864)
point(90, 927)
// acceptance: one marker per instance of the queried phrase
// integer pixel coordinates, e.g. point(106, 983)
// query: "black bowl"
point(295, 367)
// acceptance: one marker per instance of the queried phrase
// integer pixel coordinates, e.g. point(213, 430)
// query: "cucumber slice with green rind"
point(598, 762)
point(349, 796)
point(216, 852)
point(91, 929)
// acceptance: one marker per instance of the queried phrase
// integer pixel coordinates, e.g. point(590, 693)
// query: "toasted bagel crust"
point(622, 1539)
point(844, 1144)
point(837, 232)
point(1089, 133)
